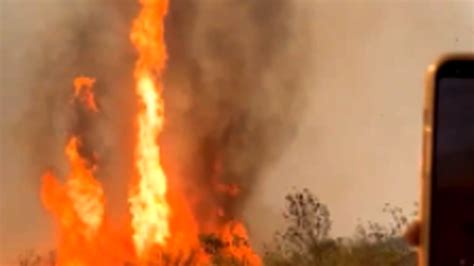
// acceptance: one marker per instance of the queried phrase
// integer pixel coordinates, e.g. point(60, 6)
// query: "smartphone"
point(448, 163)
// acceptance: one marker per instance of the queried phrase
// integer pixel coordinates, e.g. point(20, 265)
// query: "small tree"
point(307, 232)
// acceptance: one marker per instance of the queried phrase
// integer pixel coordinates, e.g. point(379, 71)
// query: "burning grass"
point(305, 241)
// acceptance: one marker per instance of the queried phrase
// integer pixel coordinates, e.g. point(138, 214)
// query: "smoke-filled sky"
point(355, 141)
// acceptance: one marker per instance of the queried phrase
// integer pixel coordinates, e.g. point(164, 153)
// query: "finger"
point(412, 234)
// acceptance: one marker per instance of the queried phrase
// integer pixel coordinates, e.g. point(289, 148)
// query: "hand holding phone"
point(447, 222)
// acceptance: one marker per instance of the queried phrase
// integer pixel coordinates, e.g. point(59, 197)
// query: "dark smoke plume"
point(233, 92)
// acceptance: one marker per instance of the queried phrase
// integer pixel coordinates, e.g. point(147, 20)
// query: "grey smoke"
point(234, 87)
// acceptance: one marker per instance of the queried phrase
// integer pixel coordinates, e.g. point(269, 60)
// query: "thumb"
point(412, 234)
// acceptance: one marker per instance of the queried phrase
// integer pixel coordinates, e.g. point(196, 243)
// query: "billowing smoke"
point(86, 43)
point(90, 41)
point(233, 94)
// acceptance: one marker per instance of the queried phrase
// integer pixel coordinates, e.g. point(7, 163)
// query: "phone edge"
point(427, 149)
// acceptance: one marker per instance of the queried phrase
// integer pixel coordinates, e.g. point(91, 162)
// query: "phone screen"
point(452, 192)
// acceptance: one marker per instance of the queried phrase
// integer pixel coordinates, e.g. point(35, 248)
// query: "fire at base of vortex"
point(148, 205)
point(161, 222)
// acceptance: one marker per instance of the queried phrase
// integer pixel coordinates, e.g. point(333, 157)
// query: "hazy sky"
point(357, 147)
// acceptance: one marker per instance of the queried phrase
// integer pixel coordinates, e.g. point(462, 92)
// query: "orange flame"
point(78, 206)
point(148, 206)
point(162, 220)
point(83, 92)
point(235, 235)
